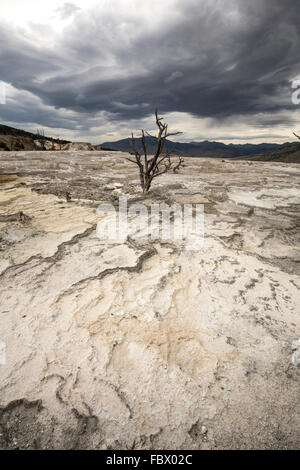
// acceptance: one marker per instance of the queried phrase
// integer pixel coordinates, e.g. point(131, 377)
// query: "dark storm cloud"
point(213, 59)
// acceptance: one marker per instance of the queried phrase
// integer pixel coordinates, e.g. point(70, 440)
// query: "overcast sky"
point(95, 70)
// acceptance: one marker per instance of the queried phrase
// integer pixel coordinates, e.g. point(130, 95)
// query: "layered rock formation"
point(146, 345)
point(12, 139)
point(80, 146)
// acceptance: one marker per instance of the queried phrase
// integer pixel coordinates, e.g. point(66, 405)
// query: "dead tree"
point(11, 143)
point(40, 134)
point(152, 166)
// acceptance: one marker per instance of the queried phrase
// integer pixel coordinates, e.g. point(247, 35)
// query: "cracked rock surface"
point(146, 345)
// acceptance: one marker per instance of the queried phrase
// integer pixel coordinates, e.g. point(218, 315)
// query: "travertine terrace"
point(140, 345)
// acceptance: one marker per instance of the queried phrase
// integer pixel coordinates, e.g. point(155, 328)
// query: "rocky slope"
point(287, 153)
point(138, 345)
point(12, 139)
point(17, 139)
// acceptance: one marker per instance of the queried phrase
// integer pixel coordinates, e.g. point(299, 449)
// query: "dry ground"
point(138, 345)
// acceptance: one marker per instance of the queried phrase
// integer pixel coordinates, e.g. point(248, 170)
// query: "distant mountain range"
point(17, 139)
point(196, 149)
point(287, 153)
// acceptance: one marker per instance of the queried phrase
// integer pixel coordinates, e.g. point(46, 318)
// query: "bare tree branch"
point(159, 163)
point(134, 148)
point(150, 135)
point(173, 133)
point(179, 165)
point(132, 161)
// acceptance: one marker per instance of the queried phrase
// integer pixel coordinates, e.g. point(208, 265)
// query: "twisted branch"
point(158, 164)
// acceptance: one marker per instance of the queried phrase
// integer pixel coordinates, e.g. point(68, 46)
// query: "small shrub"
point(3, 146)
